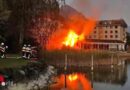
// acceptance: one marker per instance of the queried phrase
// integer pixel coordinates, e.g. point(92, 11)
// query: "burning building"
point(107, 35)
point(76, 31)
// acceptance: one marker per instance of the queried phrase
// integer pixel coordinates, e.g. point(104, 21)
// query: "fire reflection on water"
point(75, 81)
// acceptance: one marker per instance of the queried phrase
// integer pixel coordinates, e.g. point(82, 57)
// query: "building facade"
point(107, 35)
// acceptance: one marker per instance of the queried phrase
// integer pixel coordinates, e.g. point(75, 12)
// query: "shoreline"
point(100, 58)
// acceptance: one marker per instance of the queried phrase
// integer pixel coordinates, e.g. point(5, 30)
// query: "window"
point(116, 31)
point(116, 26)
point(105, 36)
point(116, 36)
point(105, 31)
point(111, 31)
point(111, 36)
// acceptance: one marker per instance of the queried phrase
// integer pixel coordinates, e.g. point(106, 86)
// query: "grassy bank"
point(12, 63)
point(75, 55)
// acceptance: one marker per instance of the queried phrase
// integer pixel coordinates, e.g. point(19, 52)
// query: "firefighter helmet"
point(2, 43)
point(29, 45)
point(24, 45)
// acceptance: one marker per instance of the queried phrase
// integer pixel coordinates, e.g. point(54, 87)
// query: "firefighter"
point(24, 51)
point(34, 52)
point(3, 50)
point(28, 51)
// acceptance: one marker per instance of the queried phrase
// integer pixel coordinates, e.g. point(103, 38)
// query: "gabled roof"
point(120, 22)
point(104, 41)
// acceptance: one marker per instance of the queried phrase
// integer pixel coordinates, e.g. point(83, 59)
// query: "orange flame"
point(72, 38)
point(73, 77)
point(79, 29)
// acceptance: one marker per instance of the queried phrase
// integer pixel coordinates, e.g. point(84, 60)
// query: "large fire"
point(71, 35)
point(73, 77)
point(72, 38)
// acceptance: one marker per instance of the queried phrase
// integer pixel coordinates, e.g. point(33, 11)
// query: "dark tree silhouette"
point(28, 15)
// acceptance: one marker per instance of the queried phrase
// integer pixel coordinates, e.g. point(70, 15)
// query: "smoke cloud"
point(107, 9)
point(87, 7)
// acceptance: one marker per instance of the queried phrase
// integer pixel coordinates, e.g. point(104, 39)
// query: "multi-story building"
point(107, 35)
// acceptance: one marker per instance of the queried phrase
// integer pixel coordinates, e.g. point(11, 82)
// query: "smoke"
point(88, 8)
point(104, 9)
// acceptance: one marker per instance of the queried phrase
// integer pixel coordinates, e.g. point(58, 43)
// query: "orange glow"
point(74, 82)
point(73, 77)
point(72, 38)
point(58, 38)
point(73, 33)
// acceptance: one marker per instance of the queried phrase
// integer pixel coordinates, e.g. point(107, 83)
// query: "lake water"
point(109, 86)
point(102, 78)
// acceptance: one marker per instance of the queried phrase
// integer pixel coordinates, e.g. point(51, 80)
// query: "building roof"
point(104, 41)
point(119, 22)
